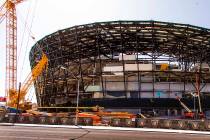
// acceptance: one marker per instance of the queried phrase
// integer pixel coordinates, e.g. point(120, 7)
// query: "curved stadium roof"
point(182, 40)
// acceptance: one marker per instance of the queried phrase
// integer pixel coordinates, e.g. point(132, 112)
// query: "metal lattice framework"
point(8, 11)
point(85, 50)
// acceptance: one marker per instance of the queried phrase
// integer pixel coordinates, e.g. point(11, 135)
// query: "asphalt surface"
point(43, 133)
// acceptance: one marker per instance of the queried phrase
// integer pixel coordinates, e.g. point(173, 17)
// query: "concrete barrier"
point(129, 123)
point(33, 119)
point(207, 125)
point(12, 118)
point(194, 125)
point(54, 120)
point(88, 121)
point(65, 121)
point(166, 124)
point(43, 120)
point(22, 119)
point(203, 125)
point(106, 121)
point(2, 117)
point(115, 122)
point(141, 123)
point(182, 124)
point(155, 123)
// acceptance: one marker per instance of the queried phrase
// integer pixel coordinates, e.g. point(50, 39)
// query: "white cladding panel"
point(133, 86)
point(112, 96)
point(146, 86)
point(92, 88)
point(161, 86)
point(127, 57)
point(145, 67)
point(131, 67)
point(113, 68)
point(171, 86)
point(146, 79)
point(97, 95)
point(177, 86)
point(136, 67)
point(128, 67)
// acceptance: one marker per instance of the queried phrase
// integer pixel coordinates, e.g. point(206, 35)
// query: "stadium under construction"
point(134, 66)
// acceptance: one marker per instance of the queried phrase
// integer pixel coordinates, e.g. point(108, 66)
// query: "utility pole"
point(78, 92)
point(18, 100)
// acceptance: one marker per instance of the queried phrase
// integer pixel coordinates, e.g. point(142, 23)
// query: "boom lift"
point(189, 113)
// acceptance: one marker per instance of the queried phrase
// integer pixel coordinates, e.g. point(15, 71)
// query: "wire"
point(24, 30)
point(30, 36)
point(32, 95)
point(28, 94)
point(3, 15)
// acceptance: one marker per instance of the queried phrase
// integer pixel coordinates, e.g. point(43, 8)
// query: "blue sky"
point(51, 15)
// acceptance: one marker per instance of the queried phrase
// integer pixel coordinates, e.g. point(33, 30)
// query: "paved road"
point(41, 133)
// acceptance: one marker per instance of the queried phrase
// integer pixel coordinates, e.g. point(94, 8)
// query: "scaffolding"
point(120, 60)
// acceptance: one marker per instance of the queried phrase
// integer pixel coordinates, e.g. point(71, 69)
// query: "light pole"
point(77, 110)
point(77, 100)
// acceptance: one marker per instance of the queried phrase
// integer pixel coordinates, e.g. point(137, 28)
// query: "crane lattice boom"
point(36, 71)
point(8, 10)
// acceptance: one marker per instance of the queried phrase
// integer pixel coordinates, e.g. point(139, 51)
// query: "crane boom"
point(36, 71)
point(11, 47)
point(184, 106)
point(8, 11)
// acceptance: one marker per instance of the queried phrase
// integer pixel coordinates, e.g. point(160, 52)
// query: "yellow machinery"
point(15, 96)
point(164, 67)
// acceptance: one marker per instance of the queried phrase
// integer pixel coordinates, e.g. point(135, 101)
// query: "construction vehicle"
point(2, 113)
point(189, 114)
point(142, 115)
point(14, 97)
point(19, 97)
point(8, 11)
